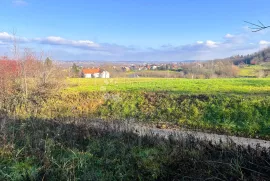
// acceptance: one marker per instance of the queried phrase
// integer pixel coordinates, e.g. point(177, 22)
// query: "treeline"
point(209, 69)
point(228, 67)
point(261, 57)
point(256, 58)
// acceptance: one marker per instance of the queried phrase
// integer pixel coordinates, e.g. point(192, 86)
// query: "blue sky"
point(145, 30)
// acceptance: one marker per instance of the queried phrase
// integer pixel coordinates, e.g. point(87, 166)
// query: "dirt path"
point(142, 130)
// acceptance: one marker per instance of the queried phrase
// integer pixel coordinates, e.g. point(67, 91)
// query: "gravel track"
point(178, 134)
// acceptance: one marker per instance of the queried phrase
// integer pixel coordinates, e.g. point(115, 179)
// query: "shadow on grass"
point(37, 149)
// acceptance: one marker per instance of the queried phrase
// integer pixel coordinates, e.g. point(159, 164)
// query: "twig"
point(257, 27)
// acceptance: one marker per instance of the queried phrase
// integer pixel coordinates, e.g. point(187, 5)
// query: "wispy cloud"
point(200, 46)
point(263, 42)
point(208, 49)
point(55, 40)
point(83, 44)
point(229, 44)
point(229, 35)
point(211, 44)
point(19, 2)
point(6, 37)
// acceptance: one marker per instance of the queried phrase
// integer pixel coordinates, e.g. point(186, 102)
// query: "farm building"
point(105, 74)
point(95, 73)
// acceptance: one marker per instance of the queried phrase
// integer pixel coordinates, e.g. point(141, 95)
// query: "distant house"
point(95, 73)
point(90, 73)
point(105, 74)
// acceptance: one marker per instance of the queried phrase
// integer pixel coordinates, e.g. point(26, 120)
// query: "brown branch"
point(257, 27)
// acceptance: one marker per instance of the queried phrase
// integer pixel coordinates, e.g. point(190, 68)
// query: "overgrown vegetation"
point(37, 149)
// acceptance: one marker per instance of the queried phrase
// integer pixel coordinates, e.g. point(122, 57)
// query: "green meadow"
point(251, 70)
point(230, 106)
point(182, 86)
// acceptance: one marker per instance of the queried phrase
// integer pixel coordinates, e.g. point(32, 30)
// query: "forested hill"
point(258, 58)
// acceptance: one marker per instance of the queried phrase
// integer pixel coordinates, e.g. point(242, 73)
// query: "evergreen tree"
point(48, 62)
point(75, 70)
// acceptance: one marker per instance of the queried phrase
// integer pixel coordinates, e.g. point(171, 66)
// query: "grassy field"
point(47, 137)
point(226, 106)
point(250, 70)
point(234, 106)
point(184, 86)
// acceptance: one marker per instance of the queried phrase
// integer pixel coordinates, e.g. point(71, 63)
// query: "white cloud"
point(231, 39)
point(200, 50)
point(55, 40)
point(84, 45)
point(263, 42)
point(211, 44)
point(229, 36)
point(19, 2)
point(6, 37)
point(206, 44)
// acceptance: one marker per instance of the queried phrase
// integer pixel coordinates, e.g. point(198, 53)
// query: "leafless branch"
point(257, 27)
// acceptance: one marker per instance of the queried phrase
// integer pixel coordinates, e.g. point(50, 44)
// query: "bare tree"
point(257, 27)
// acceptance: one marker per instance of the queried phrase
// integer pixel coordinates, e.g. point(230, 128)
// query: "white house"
point(105, 74)
point(90, 73)
point(95, 73)
point(87, 75)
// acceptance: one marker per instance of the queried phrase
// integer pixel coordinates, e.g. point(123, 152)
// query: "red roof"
point(90, 71)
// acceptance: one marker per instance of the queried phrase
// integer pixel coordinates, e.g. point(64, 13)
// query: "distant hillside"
point(258, 58)
point(252, 65)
